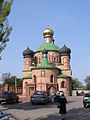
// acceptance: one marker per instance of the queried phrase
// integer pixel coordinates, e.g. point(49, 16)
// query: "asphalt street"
point(26, 111)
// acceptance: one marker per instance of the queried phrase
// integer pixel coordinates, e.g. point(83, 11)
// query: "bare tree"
point(12, 81)
point(87, 81)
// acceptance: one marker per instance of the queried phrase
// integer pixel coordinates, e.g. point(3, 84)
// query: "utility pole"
point(15, 85)
point(15, 82)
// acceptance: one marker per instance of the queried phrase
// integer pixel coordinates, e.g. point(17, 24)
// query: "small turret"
point(28, 53)
point(28, 58)
point(65, 56)
point(65, 51)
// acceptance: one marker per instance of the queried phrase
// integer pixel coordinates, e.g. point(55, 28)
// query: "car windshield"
point(87, 95)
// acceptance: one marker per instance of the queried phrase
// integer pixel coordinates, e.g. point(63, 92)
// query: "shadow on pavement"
point(73, 114)
point(26, 106)
point(50, 117)
point(78, 114)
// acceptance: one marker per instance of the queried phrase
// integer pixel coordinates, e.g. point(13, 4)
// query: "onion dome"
point(65, 50)
point(28, 53)
point(44, 51)
point(48, 32)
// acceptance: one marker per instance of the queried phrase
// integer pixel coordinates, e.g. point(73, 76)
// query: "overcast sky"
point(70, 20)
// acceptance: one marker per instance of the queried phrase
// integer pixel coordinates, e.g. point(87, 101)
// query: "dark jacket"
point(62, 101)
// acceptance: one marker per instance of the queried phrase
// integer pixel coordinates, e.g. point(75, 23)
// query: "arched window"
point(42, 73)
point(39, 60)
point(26, 82)
point(65, 60)
point(34, 78)
point(62, 84)
point(54, 59)
point(52, 79)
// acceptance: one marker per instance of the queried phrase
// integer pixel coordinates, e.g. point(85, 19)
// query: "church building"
point(48, 68)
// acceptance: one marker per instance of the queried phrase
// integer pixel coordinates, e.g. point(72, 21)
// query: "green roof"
point(28, 77)
point(63, 76)
point(45, 64)
point(48, 46)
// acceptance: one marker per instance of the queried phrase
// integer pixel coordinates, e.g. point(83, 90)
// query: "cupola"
point(48, 35)
point(28, 53)
point(48, 32)
point(64, 50)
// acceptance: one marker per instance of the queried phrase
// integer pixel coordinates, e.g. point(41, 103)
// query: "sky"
point(70, 21)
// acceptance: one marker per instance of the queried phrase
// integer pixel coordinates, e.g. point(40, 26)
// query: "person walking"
point(53, 97)
point(62, 106)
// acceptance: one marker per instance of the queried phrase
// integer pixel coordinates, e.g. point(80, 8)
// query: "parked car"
point(8, 97)
point(86, 100)
point(6, 116)
point(39, 97)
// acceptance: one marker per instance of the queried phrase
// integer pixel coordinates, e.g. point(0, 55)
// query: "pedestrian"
point(52, 97)
point(62, 106)
point(82, 93)
point(77, 93)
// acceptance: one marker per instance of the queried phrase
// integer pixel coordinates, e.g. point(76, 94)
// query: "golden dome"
point(48, 32)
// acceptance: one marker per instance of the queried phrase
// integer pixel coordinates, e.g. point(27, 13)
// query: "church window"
point(42, 73)
point(39, 60)
point(65, 60)
point(54, 59)
point(34, 78)
point(27, 62)
point(52, 79)
point(26, 82)
point(62, 84)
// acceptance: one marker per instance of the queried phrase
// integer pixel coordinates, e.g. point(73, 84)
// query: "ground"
point(26, 111)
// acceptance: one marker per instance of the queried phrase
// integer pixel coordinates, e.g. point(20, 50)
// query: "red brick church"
point(47, 68)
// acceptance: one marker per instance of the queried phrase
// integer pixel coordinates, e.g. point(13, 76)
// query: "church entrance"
point(52, 88)
point(30, 88)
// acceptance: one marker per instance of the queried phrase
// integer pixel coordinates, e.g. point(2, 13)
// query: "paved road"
point(26, 111)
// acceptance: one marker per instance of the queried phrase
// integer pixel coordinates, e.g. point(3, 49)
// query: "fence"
point(17, 90)
point(1, 89)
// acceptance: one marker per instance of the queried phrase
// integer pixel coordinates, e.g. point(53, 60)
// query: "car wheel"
point(84, 105)
point(16, 100)
point(32, 103)
point(7, 101)
point(10, 101)
point(46, 102)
